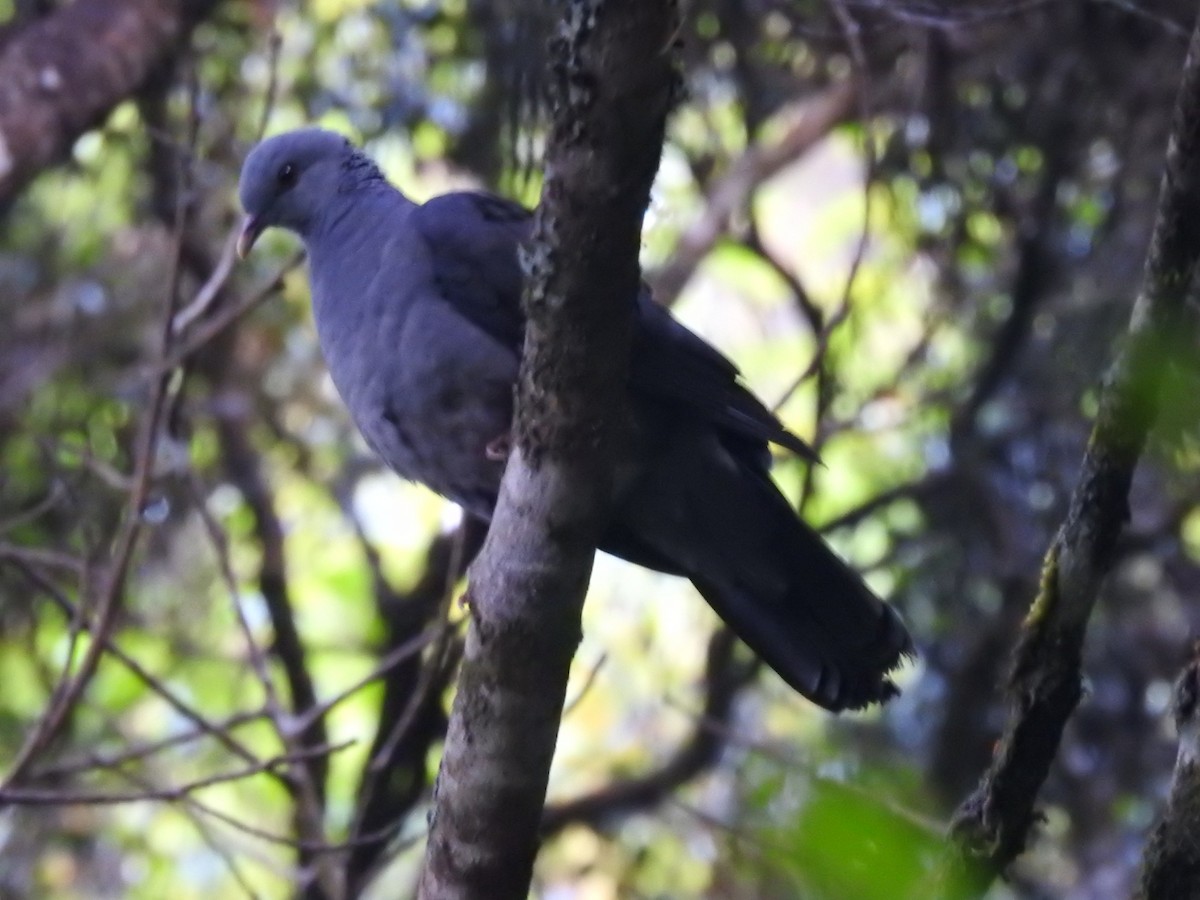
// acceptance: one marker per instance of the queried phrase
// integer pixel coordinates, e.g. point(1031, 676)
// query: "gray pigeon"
point(418, 312)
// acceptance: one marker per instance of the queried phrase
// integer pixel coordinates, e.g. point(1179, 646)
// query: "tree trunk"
point(614, 81)
point(62, 74)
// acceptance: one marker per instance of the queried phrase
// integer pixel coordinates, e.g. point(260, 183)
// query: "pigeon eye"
point(287, 175)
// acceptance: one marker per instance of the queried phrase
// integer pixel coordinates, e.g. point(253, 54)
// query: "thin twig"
point(97, 761)
point(807, 123)
point(111, 591)
point(18, 796)
point(310, 820)
point(213, 730)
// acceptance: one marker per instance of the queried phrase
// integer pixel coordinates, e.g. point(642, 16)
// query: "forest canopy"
point(229, 636)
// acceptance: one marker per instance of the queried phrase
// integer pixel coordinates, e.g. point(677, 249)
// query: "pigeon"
point(418, 314)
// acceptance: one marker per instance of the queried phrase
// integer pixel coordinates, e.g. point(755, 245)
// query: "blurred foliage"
point(973, 231)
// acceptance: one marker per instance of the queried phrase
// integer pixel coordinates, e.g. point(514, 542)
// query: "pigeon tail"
point(711, 513)
point(824, 632)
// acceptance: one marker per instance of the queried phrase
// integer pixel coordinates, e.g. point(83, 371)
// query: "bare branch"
point(62, 74)
point(90, 761)
point(411, 714)
point(992, 825)
point(724, 676)
point(39, 797)
point(306, 782)
point(615, 82)
point(99, 613)
point(1171, 867)
point(807, 123)
point(214, 730)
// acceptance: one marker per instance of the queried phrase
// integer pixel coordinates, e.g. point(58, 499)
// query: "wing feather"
point(472, 240)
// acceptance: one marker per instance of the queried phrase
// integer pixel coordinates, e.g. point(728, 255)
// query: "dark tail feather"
point(824, 632)
point(716, 517)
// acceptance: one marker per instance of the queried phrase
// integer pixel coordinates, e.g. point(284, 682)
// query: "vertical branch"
point(105, 596)
point(244, 469)
point(614, 82)
point(992, 825)
point(1171, 867)
point(411, 716)
point(307, 781)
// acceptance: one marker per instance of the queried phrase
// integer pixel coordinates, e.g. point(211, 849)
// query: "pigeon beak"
point(251, 229)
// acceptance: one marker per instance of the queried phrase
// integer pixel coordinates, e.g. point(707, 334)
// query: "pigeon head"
point(288, 180)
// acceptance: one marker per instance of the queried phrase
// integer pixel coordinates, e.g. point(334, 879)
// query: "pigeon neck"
point(344, 246)
point(355, 210)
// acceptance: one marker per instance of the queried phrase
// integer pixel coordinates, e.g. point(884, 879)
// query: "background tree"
point(228, 638)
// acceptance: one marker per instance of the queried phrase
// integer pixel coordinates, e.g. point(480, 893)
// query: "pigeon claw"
point(498, 449)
